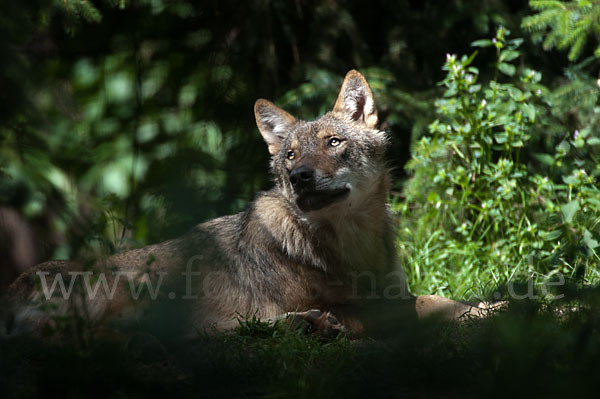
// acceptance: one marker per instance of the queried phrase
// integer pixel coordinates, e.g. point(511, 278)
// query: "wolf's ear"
point(273, 123)
point(356, 100)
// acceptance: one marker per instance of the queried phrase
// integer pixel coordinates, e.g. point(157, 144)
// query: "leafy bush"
point(478, 209)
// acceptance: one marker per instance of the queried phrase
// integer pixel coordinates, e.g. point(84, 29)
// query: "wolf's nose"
point(301, 176)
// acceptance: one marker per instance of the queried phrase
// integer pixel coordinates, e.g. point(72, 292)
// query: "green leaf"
point(469, 60)
point(584, 132)
point(529, 111)
point(507, 69)
point(563, 147)
point(120, 87)
point(508, 55)
point(514, 92)
point(481, 43)
point(569, 210)
point(501, 138)
point(474, 88)
point(594, 201)
point(115, 181)
point(552, 235)
point(516, 42)
point(433, 197)
point(569, 179)
point(546, 159)
point(593, 141)
point(589, 240)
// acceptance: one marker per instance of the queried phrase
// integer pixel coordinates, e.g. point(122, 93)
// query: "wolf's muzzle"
point(302, 178)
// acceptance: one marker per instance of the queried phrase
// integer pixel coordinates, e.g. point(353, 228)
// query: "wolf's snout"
point(302, 177)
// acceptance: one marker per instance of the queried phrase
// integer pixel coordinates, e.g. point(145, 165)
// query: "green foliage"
point(567, 24)
point(576, 108)
point(477, 210)
point(75, 9)
point(114, 108)
point(119, 142)
point(575, 98)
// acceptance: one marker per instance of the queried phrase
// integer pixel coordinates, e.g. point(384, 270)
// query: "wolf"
point(318, 247)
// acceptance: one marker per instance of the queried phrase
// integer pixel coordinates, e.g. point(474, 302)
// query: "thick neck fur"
point(350, 236)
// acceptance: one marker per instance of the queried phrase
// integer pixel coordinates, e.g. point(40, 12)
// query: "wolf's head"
point(336, 159)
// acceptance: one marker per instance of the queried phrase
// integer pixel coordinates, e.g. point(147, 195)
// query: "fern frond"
point(544, 4)
point(571, 37)
point(89, 12)
point(569, 24)
point(540, 21)
point(76, 9)
point(564, 23)
point(577, 47)
point(550, 41)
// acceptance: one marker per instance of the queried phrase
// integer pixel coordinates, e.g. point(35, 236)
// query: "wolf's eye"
point(290, 155)
point(334, 142)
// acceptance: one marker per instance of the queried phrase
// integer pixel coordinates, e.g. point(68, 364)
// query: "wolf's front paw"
point(314, 321)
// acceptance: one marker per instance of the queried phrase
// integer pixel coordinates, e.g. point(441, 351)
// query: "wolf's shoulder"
point(267, 210)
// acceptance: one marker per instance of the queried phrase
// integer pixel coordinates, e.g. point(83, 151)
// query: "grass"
point(528, 350)
point(436, 263)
